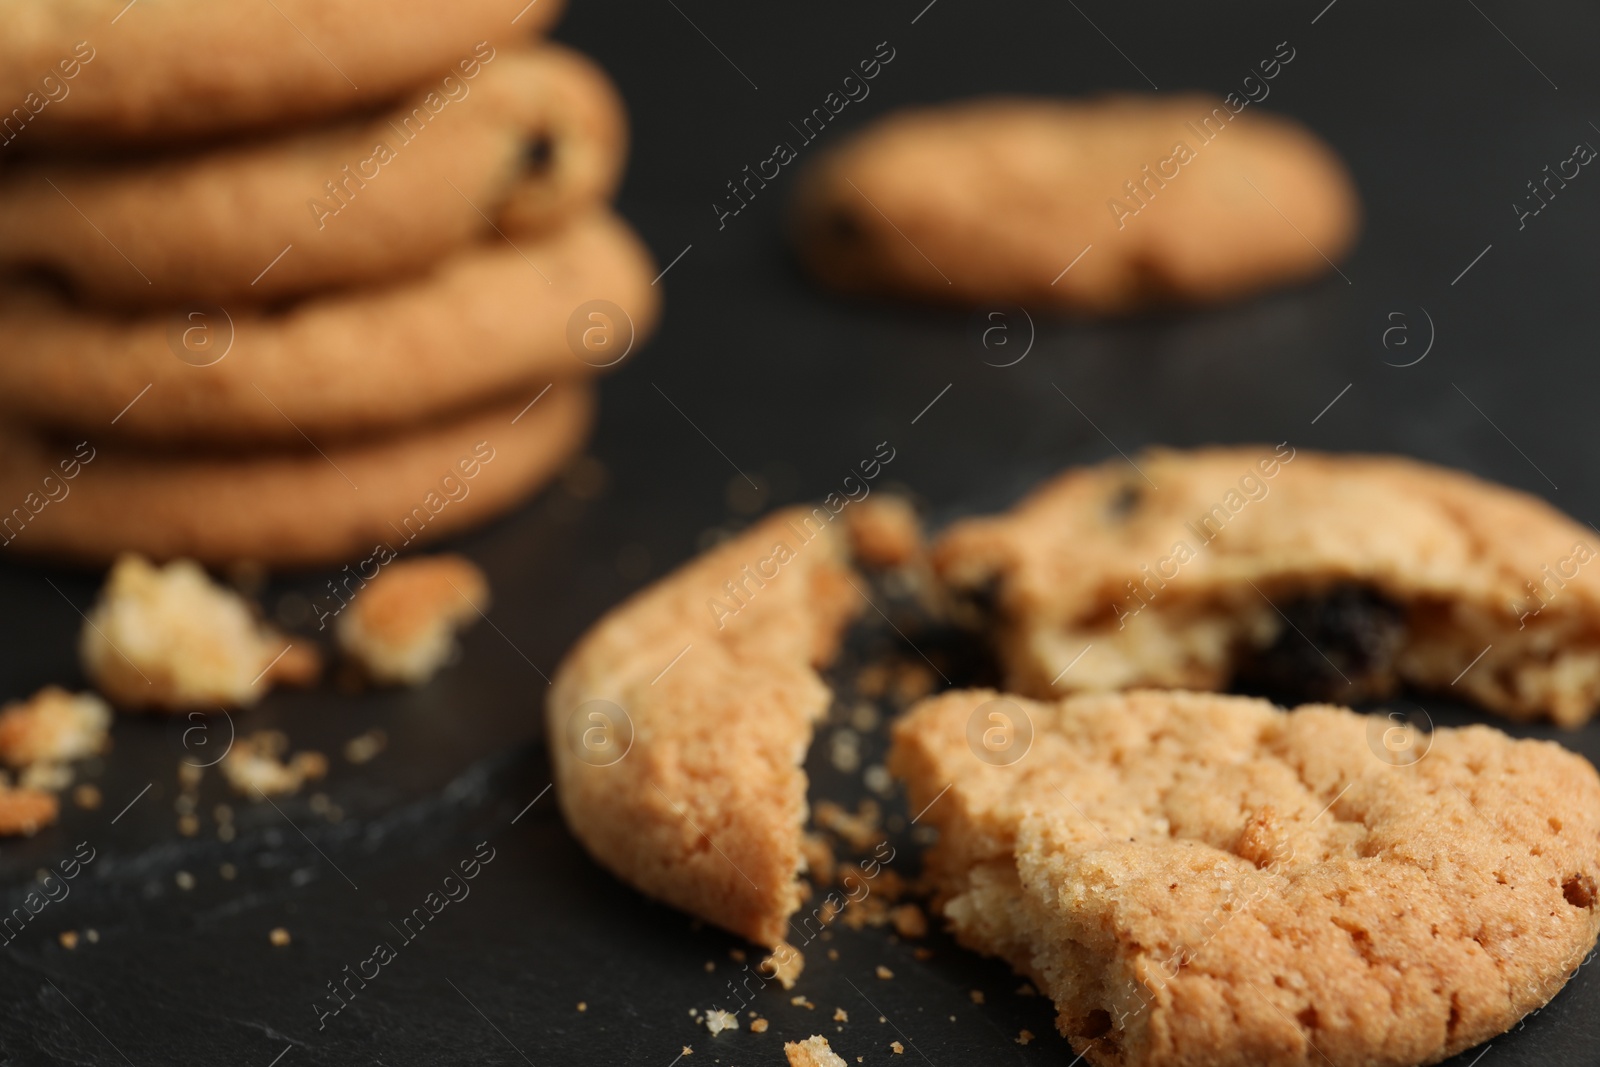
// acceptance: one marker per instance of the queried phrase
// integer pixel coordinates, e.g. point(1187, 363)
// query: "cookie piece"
point(170, 639)
point(401, 626)
point(679, 723)
point(174, 71)
point(1206, 880)
point(1293, 574)
point(255, 765)
point(53, 726)
point(492, 318)
point(294, 507)
point(1165, 198)
point(536, 138)
point(23, 811)
point(814, 1051)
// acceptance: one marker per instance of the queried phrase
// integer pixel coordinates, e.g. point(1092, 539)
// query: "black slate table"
point(1444, 110)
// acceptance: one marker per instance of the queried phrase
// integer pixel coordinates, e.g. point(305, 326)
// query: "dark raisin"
point(1338, 645)
point(539, 153)
point(1124, 501)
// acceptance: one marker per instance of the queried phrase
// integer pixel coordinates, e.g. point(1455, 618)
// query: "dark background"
point(1443, 120)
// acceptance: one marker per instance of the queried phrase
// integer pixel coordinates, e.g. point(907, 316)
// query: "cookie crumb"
point(278, 936)
point(53, 726)
point(1026, 990)
point(814, 1051)
point(197, 644)
point(884, 972)
point(68, 939)
point(897, 1047)
point(401, 626)
point(255, 765)
point(188, 825)
point(840, 1015)
point(976, 995)
point(228, 871)
point(583, 1005)
point(908, 920)
point(758, 1025)
point(785, 964)
point(802, 1002)
point(25, 811)
point(710, 966)
point(184, 880)
point(363, 748)
point(718, 1020)
point(736, 955)
point(92, 936)
point(1024, 1037)
point(87, 796)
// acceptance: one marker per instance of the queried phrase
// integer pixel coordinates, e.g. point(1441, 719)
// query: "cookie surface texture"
point(679, 723)
point(1207, 880)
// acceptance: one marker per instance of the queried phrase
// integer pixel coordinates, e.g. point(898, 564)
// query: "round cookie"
point(1209, 881)
point(1165, 199)
point(305, 506)
point(652, 763)
point(531, 138)
point(491, 318)
point(1290, 573)
point(170, 70)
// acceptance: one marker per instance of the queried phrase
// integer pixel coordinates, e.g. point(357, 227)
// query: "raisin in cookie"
point(1146, 199)
point(1292, 574)
point(1206, 880)
point(679, 723)
point(536, 138)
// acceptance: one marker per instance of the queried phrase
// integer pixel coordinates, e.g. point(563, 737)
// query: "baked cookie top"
point(1176, 197)
point(1189, 568)
point(679, 723)
point(1203, 879)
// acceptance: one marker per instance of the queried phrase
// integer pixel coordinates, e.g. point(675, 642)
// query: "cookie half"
point(496, 316)
point(679, 723)
point(1206, 880)
point(536, 137)
point(1100, 206)
point(1292, 574)
point(180, 69)
point(294, 507)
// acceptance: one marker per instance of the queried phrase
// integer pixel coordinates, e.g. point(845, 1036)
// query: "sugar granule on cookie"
point(1206, 880)
point(814, 1051)
point(401, 626)
point(255, 765)
point(53, 726)
point(169, 638)
point(1260, 568)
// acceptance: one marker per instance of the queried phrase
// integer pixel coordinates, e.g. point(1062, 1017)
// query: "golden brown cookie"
point(1301, 575)
point(110, 70)
point(171, 639)
point(494, 317)
point(679, 723)
point(366, 500)
point(532, 138)
point(1146, 199)
point(1206, 881)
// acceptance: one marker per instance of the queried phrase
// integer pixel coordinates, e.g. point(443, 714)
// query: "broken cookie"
point(1290, 574)
point(401, 626)
point(1205, 880)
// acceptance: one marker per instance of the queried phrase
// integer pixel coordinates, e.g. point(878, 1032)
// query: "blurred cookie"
point(1293, 574)
point(494, 317)
point(679, 724)
point(294, 507)
point(1210, 881)
point(178, 69)
point(1100, 206)
point(531, 139)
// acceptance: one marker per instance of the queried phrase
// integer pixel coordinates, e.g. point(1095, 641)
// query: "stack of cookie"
point(300, 283)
